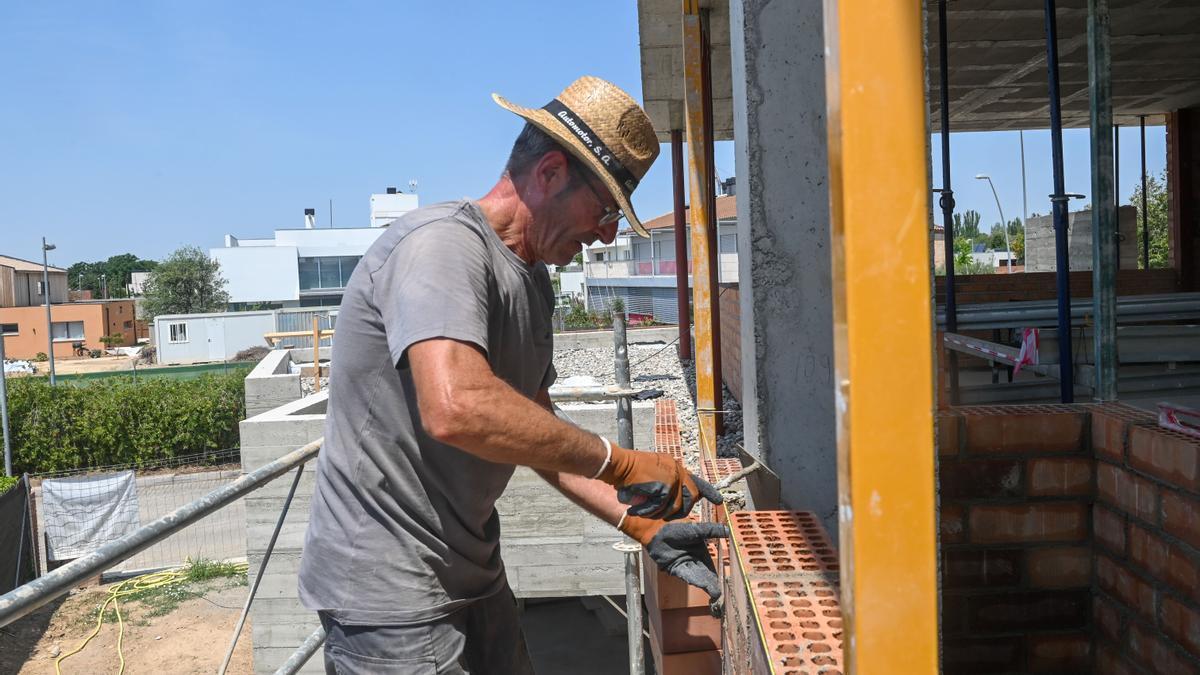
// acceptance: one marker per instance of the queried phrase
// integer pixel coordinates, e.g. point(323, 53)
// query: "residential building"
point(642, 272)
point(24, 328)
point(21, 283)
point(302, 267)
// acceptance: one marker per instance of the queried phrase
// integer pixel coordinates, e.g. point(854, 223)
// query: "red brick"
point(1012, 611)
point(1108, 435)
point(1162, 657)
point(1109, 527)
point(1107, 619)
point(1130, 493)
point(1025, 432)
point(1148, 551)
point(979, 479)
point(686, 629)
point(1174, 458)
point(1110, 662)
point(979, 568)
point(981, 655)
point(1124, 585)
point(1058, 477)
point(951, 524)
point(948, 436)
point(1182, 624)
point(692, 663)
point(1059, 567)
point(1059, 653)
point(1028, 523)
point(1181, 517)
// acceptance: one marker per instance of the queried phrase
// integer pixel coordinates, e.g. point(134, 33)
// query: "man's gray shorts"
point(482, 638)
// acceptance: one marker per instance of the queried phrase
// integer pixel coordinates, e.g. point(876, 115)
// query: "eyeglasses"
point(611, 214)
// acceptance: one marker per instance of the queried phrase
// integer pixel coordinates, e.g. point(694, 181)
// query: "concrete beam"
point(783, 232)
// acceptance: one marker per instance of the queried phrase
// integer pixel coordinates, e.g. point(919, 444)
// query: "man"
point(443, 355)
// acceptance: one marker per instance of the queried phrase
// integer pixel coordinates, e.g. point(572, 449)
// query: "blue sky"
point(142, 126)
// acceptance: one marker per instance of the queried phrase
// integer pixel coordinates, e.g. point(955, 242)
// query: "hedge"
point(121, 421)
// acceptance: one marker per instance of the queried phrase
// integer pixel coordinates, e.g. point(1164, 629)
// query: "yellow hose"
point(122, 590)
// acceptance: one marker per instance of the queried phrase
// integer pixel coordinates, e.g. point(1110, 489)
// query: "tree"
point(117, 273)
point(997, 240)
point(187, 282)
point(1157, 209)
point(962, 252)
point(1018, 247)
point(966, 225)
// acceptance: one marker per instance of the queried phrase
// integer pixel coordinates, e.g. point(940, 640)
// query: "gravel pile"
point(656, 366)
point(309, 387)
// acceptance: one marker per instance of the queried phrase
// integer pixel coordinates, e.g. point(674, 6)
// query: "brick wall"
point(1015, 486)
point(1040, 285)
point(1070, 541)
point(731, 339)
point(1147, 544)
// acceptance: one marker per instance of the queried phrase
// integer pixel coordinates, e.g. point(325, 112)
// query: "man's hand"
point(680, 549)
point(655, 484)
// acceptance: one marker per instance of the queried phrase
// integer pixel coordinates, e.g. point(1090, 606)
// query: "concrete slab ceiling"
point(997, 56)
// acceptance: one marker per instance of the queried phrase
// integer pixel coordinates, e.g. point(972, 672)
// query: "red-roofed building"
point(642, 272)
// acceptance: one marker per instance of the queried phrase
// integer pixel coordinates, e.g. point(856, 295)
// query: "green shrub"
point(41, 357)
point(7, 483)
point(121, 421)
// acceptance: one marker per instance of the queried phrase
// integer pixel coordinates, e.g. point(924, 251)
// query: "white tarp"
point(84, 513)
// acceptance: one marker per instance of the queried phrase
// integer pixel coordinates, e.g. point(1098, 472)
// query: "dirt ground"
point(85, 365)
point(192, 638)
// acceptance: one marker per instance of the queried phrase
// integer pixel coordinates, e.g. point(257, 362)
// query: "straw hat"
point(606, 129)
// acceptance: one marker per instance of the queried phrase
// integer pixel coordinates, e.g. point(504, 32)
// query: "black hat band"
point(591, 141)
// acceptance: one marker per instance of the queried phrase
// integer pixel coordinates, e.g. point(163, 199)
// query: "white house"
point(303, 267)
point(642, 272)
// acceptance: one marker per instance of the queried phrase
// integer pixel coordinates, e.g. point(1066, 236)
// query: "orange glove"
point(654, 484)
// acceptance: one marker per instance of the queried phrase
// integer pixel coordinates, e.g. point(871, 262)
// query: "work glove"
point(679, 549)
point(654, 484)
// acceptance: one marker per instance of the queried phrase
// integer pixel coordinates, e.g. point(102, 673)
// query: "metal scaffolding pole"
point(704, 291)
point(1059, 201)
point(1104, 209)
point(682, 291)
point(714, 239)
point(1145, 213)
point(946, 200)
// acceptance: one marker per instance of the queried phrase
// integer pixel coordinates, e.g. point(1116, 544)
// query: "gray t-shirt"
point(403, 529)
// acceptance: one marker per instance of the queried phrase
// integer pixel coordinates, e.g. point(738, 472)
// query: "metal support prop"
point(1145, 212)
point(946, 199)
point(704, 286)
point(262, 567)
point(714, 267)
point(877, 157)
point(621, 368)
point(316, 342)
point(303, 653)
point(1104, 209)
point(21, 601)
point(4, 410)
point(633, 606)
point(1059, 200)
point(682, 290)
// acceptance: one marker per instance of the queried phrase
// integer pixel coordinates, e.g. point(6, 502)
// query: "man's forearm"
point(595, 497)
point(497, 423)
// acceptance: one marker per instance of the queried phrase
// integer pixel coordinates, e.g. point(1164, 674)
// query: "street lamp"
point(46, 248)
point(1003, 223)
point(104, 285)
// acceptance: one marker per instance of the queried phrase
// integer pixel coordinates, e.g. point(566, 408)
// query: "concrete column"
point(784, 241)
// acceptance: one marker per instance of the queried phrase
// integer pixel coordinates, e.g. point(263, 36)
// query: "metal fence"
point(160, 489)
point(288, 320)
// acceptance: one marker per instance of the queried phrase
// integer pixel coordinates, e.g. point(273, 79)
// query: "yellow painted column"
point(703, 279)
point(882, 334)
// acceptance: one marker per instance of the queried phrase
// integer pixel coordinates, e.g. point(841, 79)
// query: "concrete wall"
point(777, 51)
point(603, 338)
point(271, 384)
point(1039, 241)
point(280, 623)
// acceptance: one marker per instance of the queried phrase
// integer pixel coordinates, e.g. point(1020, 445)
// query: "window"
point(127, 324)
point(728, 243)
point(8, 329)
point(327, 272)
point(66, 330)
point(178, 332)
